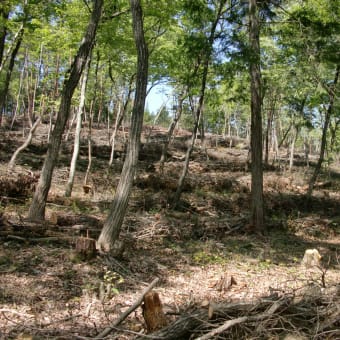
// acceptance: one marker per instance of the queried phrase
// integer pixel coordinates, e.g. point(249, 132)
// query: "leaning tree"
point(37, 208)
point(114, 221)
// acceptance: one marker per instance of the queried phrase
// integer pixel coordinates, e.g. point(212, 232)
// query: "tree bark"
point(17, 105)
point(171, 131)
point(4, 13)
point(270, 119)
point(199, 109)
point(114, 221)
point(37, 208)
point(292, 147)
point(324, 133)
point(257, 215)
point(75, 154)
point(119, 119)
point(4, 90)
point(89, 147)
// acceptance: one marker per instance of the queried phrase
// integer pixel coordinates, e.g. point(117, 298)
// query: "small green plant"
point(75, 207)
point(200, 193)
point(111, 280)
point(203, 257)
point(154, 210)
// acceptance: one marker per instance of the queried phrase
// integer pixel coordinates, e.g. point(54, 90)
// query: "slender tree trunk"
point(37, 208)
point(10, 49)
point(292, 147)
point(4, 90)
point(324, 134)
point(36, 83)
point(69, 185)
point(334, 131)
point(94, 98)
point(268, 133)
point(113, 223)
point(171, 130)
point(177, 196)
point(119, 120)
point(17, 105)
point(306, 147)
point(70, 124)
point(89, 146)
point(28, 79)
point(56, 79)
point(101, 102)
point(257, 213)
point(199, 109)
point(275, 144)
point(4, 13)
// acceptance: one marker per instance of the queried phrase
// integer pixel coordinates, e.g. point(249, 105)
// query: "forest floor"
point(47, 292)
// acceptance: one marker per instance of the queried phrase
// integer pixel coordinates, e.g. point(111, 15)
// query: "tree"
point(314, 46)
point(203, 51)
point(257, 214)
point(75, 154)
point(37, 207)
point(113, 223)
point(329, 111)
point(4, 13)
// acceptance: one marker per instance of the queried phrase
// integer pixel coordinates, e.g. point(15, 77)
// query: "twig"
point(40, 239)
point(124, 315)
point(5, 310)
point(223, 328)
point(274, 307)
point(233, 229)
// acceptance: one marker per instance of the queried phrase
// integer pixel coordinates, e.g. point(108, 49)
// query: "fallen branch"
point(6, 310)
point(38, 239)
point(124, 315)
point(11, 163)
point(223, 328)
point(276, 305)
point(187, 324)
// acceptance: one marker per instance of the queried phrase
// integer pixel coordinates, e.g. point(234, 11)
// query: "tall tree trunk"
point(56, 79)
point(69, 185)
point(114, 221)
point(334, 130)
point(324, 133)
point(292, 147)
point(17, 105)
point(171, 130)
point(4, 90)
point(257, 214)
point(177, 196)
point(37, 208)
point(89, 146)
point(119, 120)
point(199, 109)
point(4, 13)
point(270, 118)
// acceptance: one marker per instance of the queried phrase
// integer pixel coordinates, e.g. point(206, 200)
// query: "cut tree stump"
point(86, 247)
point(153, 312)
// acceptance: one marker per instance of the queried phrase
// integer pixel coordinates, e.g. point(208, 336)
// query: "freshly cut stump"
point(153, 312)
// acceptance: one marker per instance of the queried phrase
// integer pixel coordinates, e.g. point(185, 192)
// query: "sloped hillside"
point(204, 253)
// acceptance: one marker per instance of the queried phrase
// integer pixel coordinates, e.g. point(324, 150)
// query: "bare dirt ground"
point(48, 292)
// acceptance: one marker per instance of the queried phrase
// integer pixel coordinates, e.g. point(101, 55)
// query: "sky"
point(156, 98)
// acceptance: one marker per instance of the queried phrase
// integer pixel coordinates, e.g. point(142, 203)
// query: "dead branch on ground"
point(124, 315)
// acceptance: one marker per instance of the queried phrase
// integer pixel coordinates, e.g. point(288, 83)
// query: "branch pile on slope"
point(14, 186)
point(312, 314)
